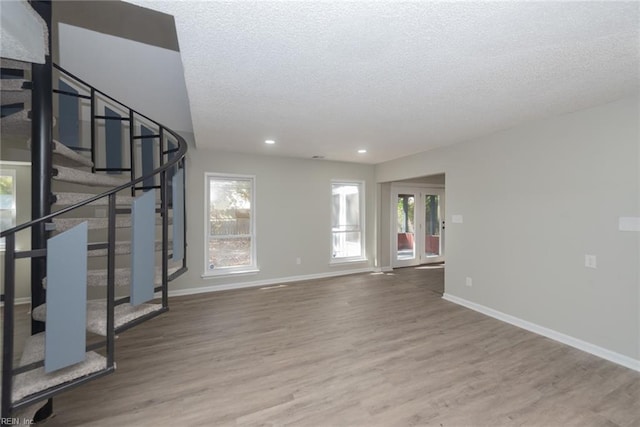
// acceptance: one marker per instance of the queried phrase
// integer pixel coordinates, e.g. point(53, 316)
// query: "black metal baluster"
point(7, 338)
point(93, 129)
point(131, 151)
point(165, 238)
point(111, 280)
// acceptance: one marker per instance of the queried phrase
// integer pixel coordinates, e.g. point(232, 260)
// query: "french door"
point(417, 226)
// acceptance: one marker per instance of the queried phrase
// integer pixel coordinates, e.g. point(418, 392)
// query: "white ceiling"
point(328, 78)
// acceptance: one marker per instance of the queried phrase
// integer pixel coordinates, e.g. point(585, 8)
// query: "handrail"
point(176, 158)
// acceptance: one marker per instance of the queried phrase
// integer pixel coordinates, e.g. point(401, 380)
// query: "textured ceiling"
point(328, 78)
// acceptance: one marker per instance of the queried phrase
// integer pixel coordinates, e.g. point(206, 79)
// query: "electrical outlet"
point(469, 282)
point(298, 261)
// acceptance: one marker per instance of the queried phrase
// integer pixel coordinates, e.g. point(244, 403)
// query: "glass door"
point(405, 241)
point(417, 226)
point(433, 226)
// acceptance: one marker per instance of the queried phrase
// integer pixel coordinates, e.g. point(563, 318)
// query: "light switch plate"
point(629, 223)
point(456, 219)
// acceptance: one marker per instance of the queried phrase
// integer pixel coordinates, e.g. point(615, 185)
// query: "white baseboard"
point(267, 282)
point(601, 352)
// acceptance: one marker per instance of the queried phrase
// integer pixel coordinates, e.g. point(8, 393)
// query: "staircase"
point(116, 235)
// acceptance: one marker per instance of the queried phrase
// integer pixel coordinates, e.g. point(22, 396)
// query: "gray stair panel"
point(37, 380)
point(178, 215)
point(97, 314)
point(76, 176)
point(66, 295)
point(143, 257)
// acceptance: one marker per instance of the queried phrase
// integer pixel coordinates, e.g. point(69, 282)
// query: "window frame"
point(242, 269)
point(362, 226)
point(14, 209)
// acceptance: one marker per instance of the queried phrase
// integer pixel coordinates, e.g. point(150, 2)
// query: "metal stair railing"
point(170, 159)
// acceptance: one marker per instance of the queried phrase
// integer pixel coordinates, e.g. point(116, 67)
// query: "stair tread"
point(68, 199)
point(15, 97)
point(61, 151)
point(63, 224)
point(122, 276)
point(121, 248)
point(97, 314)
point(37, 380)
point(18, 123)
point(64, 156)
point(67, 174)
point(15, 64)
point(14, 85)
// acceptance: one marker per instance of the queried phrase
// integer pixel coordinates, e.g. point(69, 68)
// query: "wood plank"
point(367, 349)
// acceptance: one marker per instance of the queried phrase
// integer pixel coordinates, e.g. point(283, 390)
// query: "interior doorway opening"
point(417, 221)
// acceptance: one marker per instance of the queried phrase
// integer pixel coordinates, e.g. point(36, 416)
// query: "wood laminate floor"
point(361, 350)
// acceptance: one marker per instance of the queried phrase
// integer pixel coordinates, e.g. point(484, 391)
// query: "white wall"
point(535, 199)
point(293, 205)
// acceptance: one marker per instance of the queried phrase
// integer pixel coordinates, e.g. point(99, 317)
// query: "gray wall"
point(535, 200)
point(293, 204)
point(129, 52)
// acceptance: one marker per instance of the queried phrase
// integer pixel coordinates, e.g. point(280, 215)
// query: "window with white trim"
point(230, 224)
point(347, 219)
point(7, 201)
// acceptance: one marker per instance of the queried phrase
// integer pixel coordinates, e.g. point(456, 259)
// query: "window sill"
point(338, 262)
point(227, 273)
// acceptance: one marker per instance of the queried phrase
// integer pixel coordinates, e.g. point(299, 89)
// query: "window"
point(230, 214)
point(7, 201)
point(346, 221)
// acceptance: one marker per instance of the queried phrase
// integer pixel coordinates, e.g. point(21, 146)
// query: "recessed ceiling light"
point(270, 141)
point(362, 151)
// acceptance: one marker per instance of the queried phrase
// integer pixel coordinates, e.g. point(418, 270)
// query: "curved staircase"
point(116, 235)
